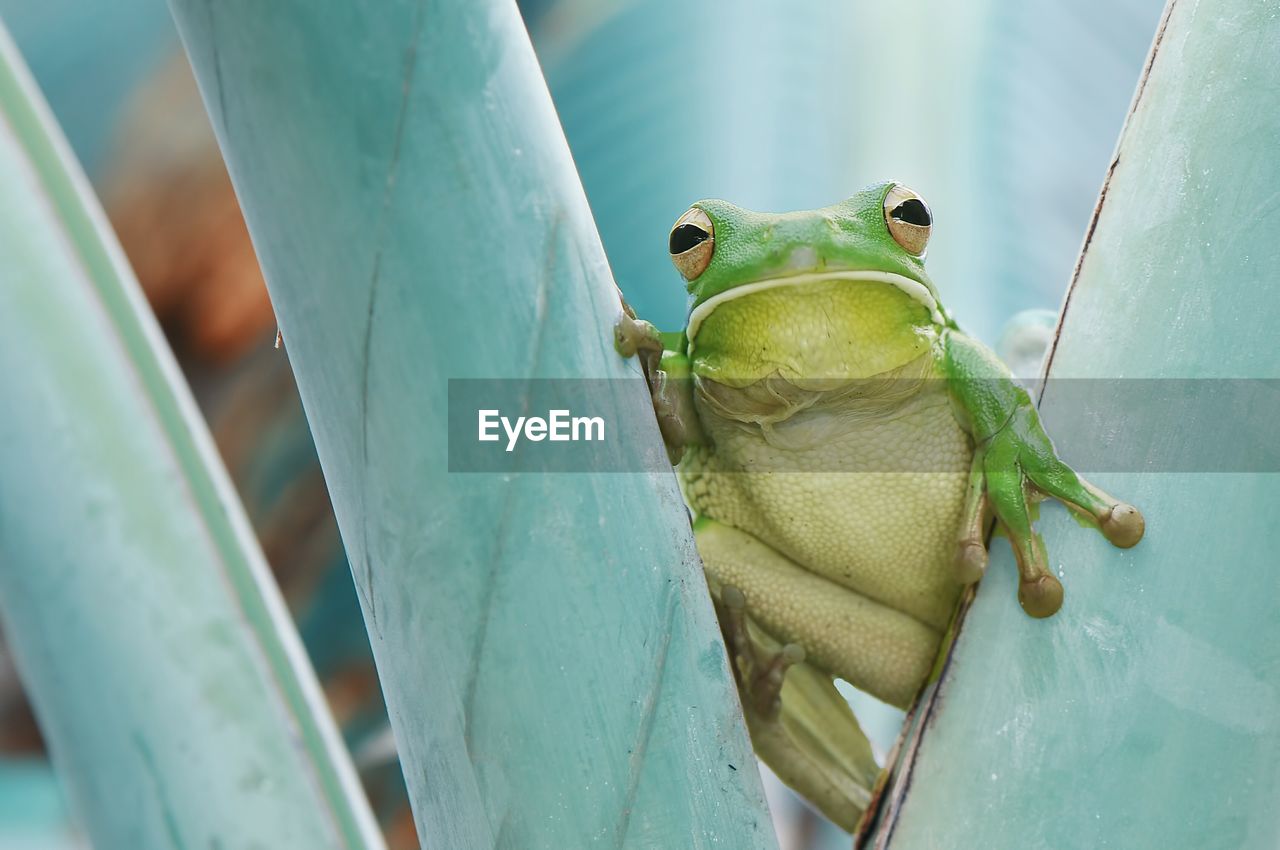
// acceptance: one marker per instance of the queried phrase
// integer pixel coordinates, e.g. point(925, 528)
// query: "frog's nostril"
point(803, 257)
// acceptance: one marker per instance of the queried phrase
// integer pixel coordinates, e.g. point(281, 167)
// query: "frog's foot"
point(759, 671)
point(1017, 466)
point(632, 336)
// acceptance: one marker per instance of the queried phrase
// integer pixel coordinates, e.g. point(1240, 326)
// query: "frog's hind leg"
point(873, 647)
point(800, 724)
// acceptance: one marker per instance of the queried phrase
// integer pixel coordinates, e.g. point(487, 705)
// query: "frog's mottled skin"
point(844, 446)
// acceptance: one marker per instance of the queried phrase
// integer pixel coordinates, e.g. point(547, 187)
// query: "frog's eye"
point(692, 241)
point(908, 218)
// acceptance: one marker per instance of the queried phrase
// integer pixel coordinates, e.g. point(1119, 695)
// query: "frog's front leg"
point(1014, 463)
point(632, 335)
point(666, 369)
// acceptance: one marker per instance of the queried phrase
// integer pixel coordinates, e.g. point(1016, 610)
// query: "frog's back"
point(862, 483)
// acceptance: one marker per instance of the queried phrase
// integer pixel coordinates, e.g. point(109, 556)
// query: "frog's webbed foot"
point(759, 671)
point(1015, 467)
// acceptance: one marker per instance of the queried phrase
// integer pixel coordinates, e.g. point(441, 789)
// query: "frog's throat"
point(914, 288)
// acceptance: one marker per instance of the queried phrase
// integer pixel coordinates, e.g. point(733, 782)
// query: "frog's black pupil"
point(911, 211)
point(686, 236)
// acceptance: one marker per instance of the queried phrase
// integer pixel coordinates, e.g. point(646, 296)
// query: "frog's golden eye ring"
point(692, 241)
point(909, 219)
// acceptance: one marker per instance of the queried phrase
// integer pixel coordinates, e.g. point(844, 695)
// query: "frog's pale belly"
point(869, 497)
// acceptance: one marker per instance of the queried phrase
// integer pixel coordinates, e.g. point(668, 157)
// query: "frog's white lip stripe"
point(914, 288)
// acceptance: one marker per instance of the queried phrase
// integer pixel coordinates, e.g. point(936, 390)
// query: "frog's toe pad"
point(1123, 525)
point(624, 338)
point(1041, 597)
point(733, 598)
point(971, 561)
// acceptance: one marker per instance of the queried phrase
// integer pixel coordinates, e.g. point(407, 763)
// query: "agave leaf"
point(550, 658)
point(1144, 714)
point(167, 676)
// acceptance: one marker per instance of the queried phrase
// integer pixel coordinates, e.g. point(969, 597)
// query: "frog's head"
point(834, 292)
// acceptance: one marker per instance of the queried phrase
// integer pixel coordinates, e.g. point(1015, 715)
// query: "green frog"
point(843, 448)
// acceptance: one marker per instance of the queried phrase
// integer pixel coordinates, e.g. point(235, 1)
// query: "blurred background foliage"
point(1002, 113)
